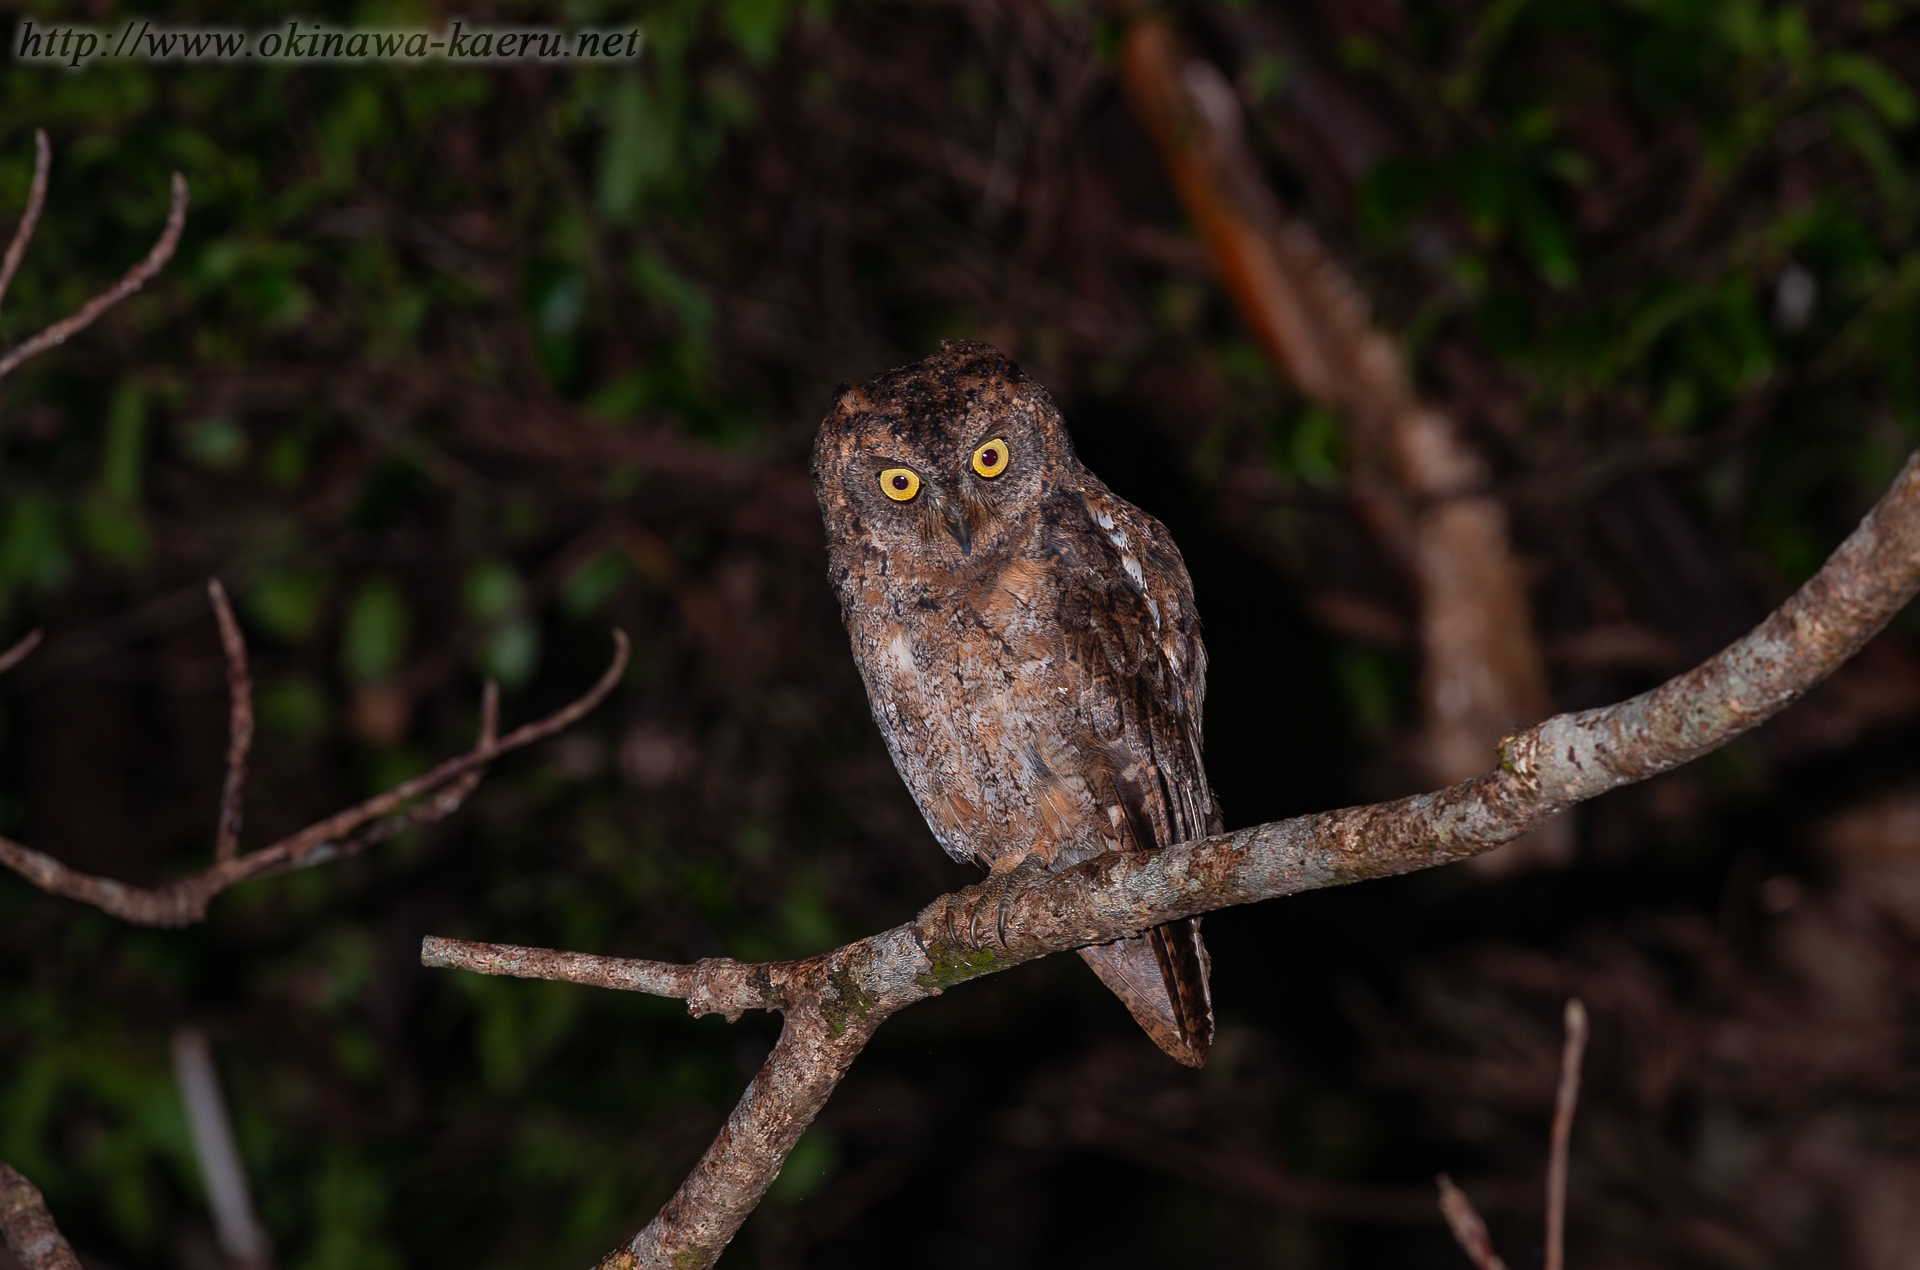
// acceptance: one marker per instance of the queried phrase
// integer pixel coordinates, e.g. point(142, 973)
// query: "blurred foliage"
point(458, 366)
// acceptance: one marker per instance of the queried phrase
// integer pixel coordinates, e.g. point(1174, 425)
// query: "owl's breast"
point(969, 688)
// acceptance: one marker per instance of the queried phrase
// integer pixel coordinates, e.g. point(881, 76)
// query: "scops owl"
point(1028, 641)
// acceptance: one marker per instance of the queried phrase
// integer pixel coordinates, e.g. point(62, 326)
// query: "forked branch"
point(422, 800)
point(833, 1003)
point(135, 278)
point(1469, 1231)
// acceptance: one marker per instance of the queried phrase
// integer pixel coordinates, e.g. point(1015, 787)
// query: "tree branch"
point(226, 843)
point(241, 1235)
point(36, 1243)
point(1565, 1100)
point(135, 278)
point(1468, 1230)
point(344, 833)
point(834, 1002)
point(30, 218)
point(18, 653)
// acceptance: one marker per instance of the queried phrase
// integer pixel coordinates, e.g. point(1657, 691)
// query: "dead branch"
point(135, 278)
point(439, 792)
point(18, 653)
point(226, 843)
point(834, 1002)
point(1468, 1230)
point(1422, 488)
point(36, 1243)
point(30, 218)
point(1565, 1100)
point(241, 1235)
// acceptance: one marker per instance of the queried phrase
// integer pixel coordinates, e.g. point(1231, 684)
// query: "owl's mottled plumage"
point(1029, 645)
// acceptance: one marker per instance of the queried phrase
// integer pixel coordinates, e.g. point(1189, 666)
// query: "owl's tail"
point(1161, 976)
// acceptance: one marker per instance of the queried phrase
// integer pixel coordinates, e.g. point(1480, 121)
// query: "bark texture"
point(35, 1242)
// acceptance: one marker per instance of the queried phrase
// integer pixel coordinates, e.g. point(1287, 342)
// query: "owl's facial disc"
point(944, 461)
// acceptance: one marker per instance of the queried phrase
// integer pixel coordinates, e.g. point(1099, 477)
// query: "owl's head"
point(944, 457)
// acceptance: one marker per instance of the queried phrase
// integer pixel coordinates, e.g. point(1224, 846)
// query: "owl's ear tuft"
point(848, 398)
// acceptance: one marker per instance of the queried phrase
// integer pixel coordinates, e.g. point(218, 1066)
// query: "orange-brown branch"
point(1422, 486)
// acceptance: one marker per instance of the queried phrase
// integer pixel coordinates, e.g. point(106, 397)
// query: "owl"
point(1028, 642)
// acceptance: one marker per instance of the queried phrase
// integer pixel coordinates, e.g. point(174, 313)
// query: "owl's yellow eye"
point(900, 484)
point(991, 458)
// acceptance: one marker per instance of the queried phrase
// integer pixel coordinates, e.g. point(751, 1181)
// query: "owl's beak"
point(959, 524)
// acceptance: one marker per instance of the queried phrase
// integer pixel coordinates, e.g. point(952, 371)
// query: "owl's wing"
point(1132, 646)
point(1131, 638)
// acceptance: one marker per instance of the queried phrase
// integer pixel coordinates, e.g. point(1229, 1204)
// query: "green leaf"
point(756, 26)
point(593, 584)
point(637, 148)
point(659, 280)
point(375, 637)
point(114, 528)
point(122, 457)
point(218, 443)
point(491, 591)
point(511, 653)
point(1854, 127)
point(1881, 87)
point(287, 604)
point(292, 708)
point(33, 551)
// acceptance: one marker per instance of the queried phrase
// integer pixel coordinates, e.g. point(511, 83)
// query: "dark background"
point(458, 367)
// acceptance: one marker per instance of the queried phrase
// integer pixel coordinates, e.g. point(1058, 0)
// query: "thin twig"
point(1564, 1102)
point(36, 1243)
point(1468, 1230)
point(226, 842)
point(445, 802)
point(135, 278)
point(655, 978)
point(18, 653)
point(345, 833)
point(36, 199)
